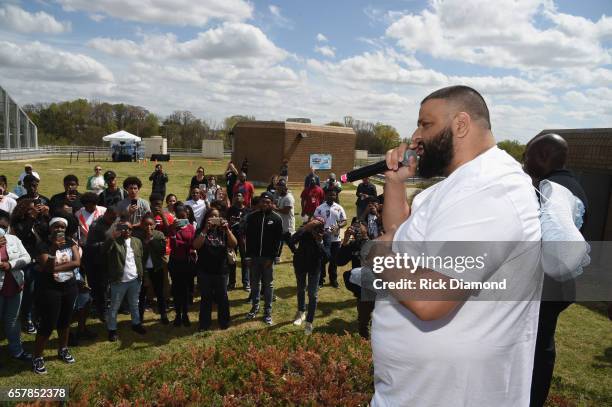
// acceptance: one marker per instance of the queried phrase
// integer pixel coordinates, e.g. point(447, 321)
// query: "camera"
point(37, 201)
point(122, 227)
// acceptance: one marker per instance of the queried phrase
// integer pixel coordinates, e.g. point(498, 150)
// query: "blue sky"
point(538, 63)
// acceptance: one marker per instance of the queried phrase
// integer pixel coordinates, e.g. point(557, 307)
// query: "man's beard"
point(437, 154)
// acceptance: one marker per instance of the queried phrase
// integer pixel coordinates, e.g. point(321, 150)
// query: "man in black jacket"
point(160, 179)
point(263, 235)
point(545, 158)
point(70, 195)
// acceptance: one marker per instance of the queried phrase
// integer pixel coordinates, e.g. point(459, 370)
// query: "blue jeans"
point(9, 312)
point(261, 273)
point(30, 274)
point(313, 289)
point(131, 289)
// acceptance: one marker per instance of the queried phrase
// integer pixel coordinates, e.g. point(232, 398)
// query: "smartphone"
point(134, 202)
point(2, 232)
point(216, 221)
point(181, 223)
point(37, 201)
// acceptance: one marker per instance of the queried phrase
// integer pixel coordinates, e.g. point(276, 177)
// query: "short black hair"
point(467, 99)
point(5, 215)
point(89, 198)
point(110, 174)
point(156, 197)
point(132, 181)
point(28, 179)
point(71, 178)
point(3, 179)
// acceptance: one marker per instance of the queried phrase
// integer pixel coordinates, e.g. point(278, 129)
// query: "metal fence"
point(100, 152)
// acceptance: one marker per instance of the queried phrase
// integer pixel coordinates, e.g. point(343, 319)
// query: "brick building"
point(590, 159)
point(266, 144)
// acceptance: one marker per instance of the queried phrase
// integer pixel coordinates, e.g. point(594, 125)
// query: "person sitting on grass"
point(124, 255)
point(212, 244)
point(56, 292)
point(307, 261)
point(154, 250)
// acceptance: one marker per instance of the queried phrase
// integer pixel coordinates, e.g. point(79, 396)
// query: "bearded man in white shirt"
point(455, 350)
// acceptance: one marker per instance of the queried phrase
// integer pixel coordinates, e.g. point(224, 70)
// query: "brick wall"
point(266, 144)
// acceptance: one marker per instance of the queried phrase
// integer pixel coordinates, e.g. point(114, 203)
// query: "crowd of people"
point(108, 250)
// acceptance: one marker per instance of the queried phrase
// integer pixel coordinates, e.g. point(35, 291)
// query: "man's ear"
point(461, 124)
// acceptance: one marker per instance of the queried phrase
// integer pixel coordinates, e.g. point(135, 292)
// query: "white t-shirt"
point(333, 215)
point(481, 354)
point(199, 209)
point(130, 272)
point(7, 203)
point(288, 218)
point(97, 184)
point(86, 219)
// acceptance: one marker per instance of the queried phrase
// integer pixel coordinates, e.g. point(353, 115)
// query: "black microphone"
point(376, 168)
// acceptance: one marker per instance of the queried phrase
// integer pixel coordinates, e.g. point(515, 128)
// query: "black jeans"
point(213, 288)
point(312, 285)
point(244, 269)
point(157, 279)
point(181, 273)
point(333, 268)
point(545, 353)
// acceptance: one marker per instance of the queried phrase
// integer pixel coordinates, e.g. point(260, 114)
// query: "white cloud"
point(502, 34)
point(177, 12)
point(321, 38)
point(36, 62)
point(97, 17)
point(20, 20)
point(326, 50)
point(279, 19)
point(231, 41)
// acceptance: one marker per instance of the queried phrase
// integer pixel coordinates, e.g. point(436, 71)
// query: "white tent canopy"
point(122, 135)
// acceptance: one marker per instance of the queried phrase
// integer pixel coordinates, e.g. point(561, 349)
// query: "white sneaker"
point(299, 318)
point(308, 328)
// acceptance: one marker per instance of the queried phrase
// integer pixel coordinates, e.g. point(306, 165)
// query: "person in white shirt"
point(211, 190)
point(335, 219)
point(125, 270)
point(96, 183)
point(19, 189)
point(198, 205)
point(87, 215)
point(7, 203)
point(435, 351)
point(5, 188)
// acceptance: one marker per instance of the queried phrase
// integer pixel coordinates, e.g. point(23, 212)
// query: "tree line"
point(83, 122)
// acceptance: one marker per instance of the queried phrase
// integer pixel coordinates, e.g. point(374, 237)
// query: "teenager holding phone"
point(56, 292)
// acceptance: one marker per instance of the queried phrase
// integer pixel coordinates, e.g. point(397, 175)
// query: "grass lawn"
point(583, 374)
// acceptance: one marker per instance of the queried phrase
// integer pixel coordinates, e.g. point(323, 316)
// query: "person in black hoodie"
point(264, 233)
point(307, 263)
point(350, 250)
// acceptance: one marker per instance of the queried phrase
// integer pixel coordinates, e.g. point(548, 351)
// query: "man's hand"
point(5, 266)
point(394, 157)
point(132, 209)
point(2, 241)
point(116, 233)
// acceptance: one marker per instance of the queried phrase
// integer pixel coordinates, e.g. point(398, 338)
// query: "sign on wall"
point(321, 161)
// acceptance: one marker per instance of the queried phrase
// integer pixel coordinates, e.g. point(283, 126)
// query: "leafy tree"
point(514, 148)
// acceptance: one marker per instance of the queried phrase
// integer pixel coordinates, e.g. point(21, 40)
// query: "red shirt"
point(246, 189)
point(164, 229)
point(10, 287)
point(312, 198)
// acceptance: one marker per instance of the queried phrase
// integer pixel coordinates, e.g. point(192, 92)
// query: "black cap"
point(266, 195)
point(109, 175)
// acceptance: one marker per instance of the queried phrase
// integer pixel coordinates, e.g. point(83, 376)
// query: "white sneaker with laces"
point(299, 318)
point(308, 328)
